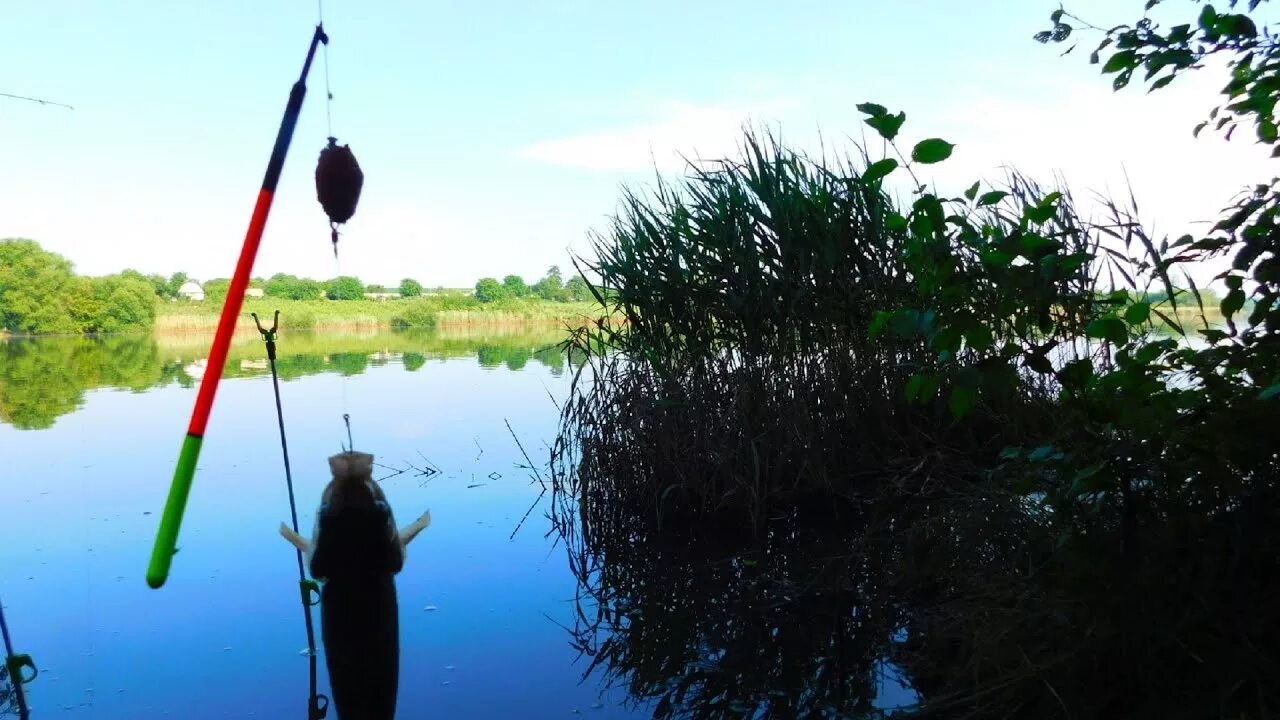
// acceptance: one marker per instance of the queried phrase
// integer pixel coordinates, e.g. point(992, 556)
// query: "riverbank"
point(426, 312)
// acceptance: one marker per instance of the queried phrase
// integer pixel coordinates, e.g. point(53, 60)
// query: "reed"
point(1032, 503)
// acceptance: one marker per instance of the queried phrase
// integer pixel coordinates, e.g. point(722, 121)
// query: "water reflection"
point(42, 379)
point(700, 620)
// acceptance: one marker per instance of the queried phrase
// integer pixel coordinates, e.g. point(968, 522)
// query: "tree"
point(1249, 229)
point(550, 287)
point(577, 289)
point(515, 286)
point(490, 290)
point(375, 288)
point(125, 302)
point(293, 288)
point(410, 288)
point(215, 290)
point(35, 288)
point(344, 287)
point(176, 281)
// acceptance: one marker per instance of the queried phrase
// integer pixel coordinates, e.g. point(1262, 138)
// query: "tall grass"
point(738, 340)
point(426, 312)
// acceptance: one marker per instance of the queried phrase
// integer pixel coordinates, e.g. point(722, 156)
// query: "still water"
point(90, 430)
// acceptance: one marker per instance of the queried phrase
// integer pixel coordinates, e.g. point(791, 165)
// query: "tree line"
point(40, 293)
point(551, 287)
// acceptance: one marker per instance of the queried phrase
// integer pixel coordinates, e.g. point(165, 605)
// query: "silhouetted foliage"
point(1072, 521)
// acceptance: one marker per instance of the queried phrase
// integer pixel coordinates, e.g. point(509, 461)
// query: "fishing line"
point(328, 93)
point(317, 704)
point(36, 100)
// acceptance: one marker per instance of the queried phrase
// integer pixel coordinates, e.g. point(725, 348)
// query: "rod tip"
point(156, 578)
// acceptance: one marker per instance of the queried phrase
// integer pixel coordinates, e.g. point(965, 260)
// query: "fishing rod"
point(15, 663)
point(317, 704)
point(183, 474)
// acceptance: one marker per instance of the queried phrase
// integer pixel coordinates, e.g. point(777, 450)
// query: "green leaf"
point(1039, 214)
point(1199, 128)
point(887, 125)
point(1267, 131)
point(1137, 313)
point(1122, 80)
point(895, 222)
point(913, 387)
point(1161, 82)
point(991, 198)
point(972, 192)
point(1270, 392)
point(961, 400)
point(1148, 353)
point(1208, 18)
point(1034, 243)
point(1232, 303)
point(1039, 363)
point(1120, 61)
point(1236, 26)
point(928, 388)
point(979, 337)
point(878, 323)
point(877, 170)
point(1077, 372)
point(999, 258)
point(1110, 328)
point(872, 109)
point(904, 323)
point(931, 151)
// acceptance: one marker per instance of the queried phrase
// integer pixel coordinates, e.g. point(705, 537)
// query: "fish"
point(356, 552)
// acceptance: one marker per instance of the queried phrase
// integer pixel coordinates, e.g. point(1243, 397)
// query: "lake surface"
point(89, 433)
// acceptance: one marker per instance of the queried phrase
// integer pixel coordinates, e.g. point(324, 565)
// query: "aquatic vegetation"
point(1060, 511)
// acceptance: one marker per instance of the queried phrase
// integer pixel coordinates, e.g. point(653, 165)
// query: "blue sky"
point(495, 135)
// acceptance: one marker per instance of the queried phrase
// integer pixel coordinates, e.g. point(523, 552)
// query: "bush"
point(344, 288)
point(410, 288)
point(292, 287)
point(418, 313)
point(490, 290)
point(515, 286)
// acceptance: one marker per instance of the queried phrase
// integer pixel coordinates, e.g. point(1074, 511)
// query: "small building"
point(191, 290)
point(254, 292)
point(382, 295)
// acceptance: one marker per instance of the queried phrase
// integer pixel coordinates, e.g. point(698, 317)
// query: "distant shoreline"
point(175, 319)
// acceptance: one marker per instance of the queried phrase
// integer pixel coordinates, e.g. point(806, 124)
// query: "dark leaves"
point(933, 150)
point(878, 170)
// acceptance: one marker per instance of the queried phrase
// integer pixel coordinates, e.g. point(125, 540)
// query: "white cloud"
point(1097, 140)
point(680, 132)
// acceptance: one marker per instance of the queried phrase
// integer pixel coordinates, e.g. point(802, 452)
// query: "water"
point(90, 430)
